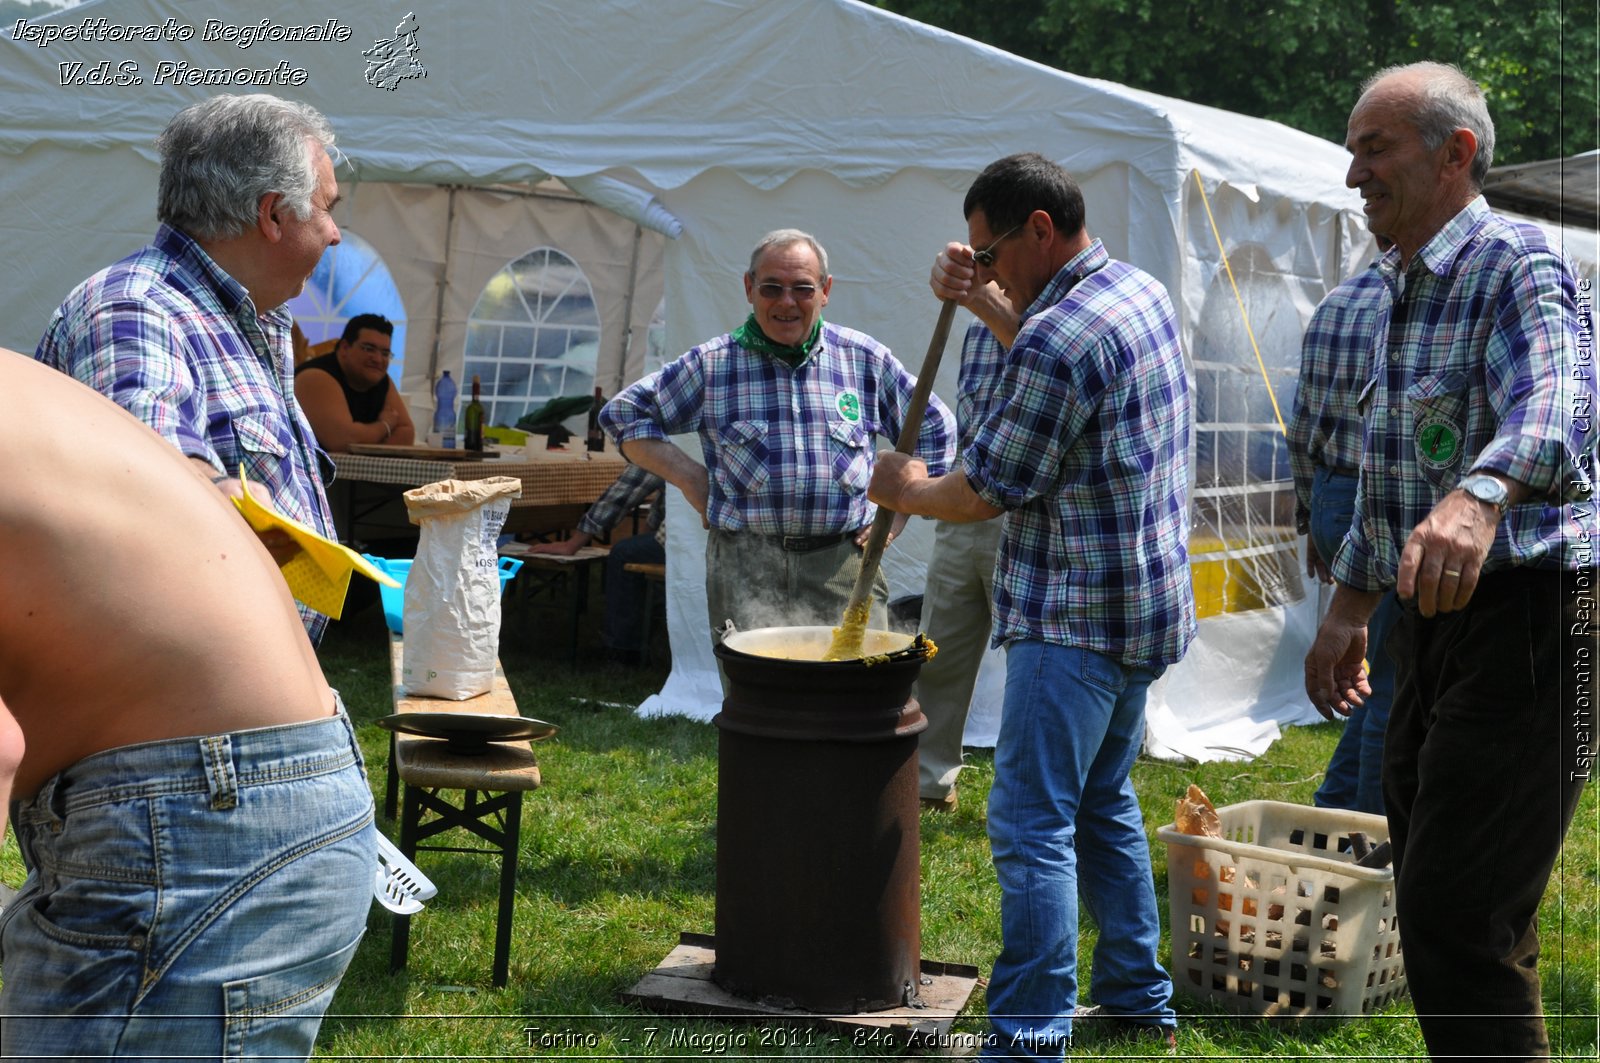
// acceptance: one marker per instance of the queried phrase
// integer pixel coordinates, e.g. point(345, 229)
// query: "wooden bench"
point(541, 572)
point(426, 768)
point(655, 577)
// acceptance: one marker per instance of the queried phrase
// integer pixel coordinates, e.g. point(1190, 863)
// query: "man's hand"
point(894, 473)
point(955, 277)
point(1336, 676)
point(1316, 567)
point(896, 526)
point(564, 547)
point(277, 541)
point(1441, 561)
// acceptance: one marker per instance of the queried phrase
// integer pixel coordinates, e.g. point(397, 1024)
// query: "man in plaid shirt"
point(1084, 447)
point(1325, 430)
point(190, 334)
point(1474, 505)
point(787, 407)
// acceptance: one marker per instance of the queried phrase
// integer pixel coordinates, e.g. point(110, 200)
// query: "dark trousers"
point(625, 591)
point(1482, 772)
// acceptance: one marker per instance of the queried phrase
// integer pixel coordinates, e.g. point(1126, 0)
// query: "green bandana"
point(751, 338)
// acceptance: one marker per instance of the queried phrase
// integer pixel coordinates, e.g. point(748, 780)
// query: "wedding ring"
point(1456, 572)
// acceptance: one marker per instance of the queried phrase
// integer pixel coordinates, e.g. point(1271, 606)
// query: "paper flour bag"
point(452, 602)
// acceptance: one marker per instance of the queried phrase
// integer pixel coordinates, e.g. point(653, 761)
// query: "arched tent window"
point(350, 279)
point(533, 335)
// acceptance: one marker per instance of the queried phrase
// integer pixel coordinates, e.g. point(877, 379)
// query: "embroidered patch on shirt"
point(848, 403)
point(1438, 442)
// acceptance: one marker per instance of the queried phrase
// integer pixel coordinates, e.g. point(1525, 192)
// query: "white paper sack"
point(452, 598)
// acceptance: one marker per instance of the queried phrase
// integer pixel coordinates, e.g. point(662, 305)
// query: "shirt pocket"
point(852, 456)
point(1439, 406)
point(261, 447)
point(743, 453)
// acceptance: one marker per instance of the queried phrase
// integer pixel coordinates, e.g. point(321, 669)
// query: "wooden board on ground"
point(682, 986)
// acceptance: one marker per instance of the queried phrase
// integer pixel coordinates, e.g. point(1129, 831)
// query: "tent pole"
point(627, 307)
point(444, 280)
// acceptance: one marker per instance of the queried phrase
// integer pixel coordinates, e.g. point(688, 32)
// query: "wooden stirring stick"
point(850, 635)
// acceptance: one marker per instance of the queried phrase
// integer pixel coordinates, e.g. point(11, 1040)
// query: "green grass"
point(618, 857)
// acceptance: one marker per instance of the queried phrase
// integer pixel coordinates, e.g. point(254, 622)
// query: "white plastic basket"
point(1275, 918)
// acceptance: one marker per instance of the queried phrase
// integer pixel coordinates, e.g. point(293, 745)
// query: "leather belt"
point(805, 544)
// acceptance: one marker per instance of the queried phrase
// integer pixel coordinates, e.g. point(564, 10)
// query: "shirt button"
point(1394, 470)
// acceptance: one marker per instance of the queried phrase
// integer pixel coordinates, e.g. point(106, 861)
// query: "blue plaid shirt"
point(1485, 365)
point(983, 360)
point(1336, 359)
point(627, 494)
point(167, 335)
point(1086, 444)
point(787, 451)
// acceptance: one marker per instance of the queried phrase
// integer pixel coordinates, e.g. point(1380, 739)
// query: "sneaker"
point(1091, 1024)
point(947, 803)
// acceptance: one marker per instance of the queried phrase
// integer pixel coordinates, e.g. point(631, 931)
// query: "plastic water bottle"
point(444, 411)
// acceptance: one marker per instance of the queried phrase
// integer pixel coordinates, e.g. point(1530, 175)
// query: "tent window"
point(350, 279)
point(533, 335)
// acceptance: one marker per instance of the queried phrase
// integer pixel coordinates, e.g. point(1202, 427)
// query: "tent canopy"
point(689, 128)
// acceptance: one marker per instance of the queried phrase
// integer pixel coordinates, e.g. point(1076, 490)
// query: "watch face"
point(1485, 489)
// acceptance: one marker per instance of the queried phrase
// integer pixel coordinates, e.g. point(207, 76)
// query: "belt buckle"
point(796, 544)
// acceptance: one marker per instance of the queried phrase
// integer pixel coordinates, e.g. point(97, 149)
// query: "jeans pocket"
point(279, 1013)
point(1101, 671)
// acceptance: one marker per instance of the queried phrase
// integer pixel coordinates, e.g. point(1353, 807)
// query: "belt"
point(805, 544)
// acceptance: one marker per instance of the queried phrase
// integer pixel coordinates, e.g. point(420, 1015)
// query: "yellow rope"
point(1240, 300)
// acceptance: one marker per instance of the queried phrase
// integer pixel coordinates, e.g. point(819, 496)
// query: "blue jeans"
point(1064, 824)
point(1354, 777)
point(625, 590)
point(190, 897)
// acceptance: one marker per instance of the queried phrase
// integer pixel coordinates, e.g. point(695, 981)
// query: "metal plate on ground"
point(682, 986)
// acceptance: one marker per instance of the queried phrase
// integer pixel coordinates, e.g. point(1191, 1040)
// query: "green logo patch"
point(848, 403)
point(1438, 442)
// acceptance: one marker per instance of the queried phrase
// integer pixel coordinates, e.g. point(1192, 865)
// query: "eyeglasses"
point(985, 258)
point(803, 293)
point(373, 348)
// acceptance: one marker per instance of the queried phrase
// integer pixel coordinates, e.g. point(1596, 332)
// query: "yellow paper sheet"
point(319, 575)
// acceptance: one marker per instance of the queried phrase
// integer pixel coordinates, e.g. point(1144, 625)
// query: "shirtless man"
point(189, 797)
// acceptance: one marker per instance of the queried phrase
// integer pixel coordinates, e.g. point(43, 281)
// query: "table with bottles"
point(557, 486)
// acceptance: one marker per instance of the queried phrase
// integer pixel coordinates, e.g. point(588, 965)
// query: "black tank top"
point(365, 406)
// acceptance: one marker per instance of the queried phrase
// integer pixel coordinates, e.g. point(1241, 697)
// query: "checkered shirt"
point(788, 451)
point(167, 335)
point(1485, 365)
point(1086, 444)
point(627, 494)
point(1336, 359)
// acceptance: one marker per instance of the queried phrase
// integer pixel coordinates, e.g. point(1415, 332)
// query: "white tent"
point(688, 128)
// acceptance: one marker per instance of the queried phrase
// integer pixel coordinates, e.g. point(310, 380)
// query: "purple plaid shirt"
point(627, 494)
point(1336, 359)
point(1086, 444)
point(167, 335)
point(1485, 365)
point(788, 451)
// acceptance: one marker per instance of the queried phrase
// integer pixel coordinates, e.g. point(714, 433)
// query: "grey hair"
point(1449, 100)
point(221, 155)
point(783, 238)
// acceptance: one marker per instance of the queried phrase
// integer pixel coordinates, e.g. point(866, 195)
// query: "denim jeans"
point(191, 897)
point(1064, 824)
point(625, 591)
point(1354, 778)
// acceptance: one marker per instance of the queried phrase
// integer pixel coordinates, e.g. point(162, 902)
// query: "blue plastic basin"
point(394, 598)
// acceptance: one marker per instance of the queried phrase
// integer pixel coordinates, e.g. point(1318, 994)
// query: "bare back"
point(135, 603)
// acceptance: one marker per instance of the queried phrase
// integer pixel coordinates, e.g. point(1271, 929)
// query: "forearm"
point(668, 461)
point(948, 497)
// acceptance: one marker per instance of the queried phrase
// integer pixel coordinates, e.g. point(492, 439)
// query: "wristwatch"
point(1487, 489)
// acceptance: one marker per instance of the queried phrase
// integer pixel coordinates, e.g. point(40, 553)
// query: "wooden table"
point(541, 573)
point(557, 486)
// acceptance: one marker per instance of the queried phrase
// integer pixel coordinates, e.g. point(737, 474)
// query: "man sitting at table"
point(347, 395)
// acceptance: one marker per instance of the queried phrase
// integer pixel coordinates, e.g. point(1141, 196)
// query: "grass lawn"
point(618, 856)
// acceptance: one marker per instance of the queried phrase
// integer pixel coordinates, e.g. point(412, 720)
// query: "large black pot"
point(818, 847)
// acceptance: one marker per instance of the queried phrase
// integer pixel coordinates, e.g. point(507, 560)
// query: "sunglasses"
point(803, 293)
point(985, 258)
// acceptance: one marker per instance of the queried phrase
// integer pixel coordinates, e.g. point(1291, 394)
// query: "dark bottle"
point(472, 420)
point(596, 439)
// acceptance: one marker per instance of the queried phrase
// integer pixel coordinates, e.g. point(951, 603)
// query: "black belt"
point(805, 544)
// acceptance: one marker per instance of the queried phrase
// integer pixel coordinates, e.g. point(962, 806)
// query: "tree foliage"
point(1302, 62)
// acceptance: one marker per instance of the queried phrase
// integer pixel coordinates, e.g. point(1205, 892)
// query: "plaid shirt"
point(1086, 444)
point(787, 451)
point(1336, 359)
point(627, 494)
point(983, 359)
point(1485, 366)
point(167, 335)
